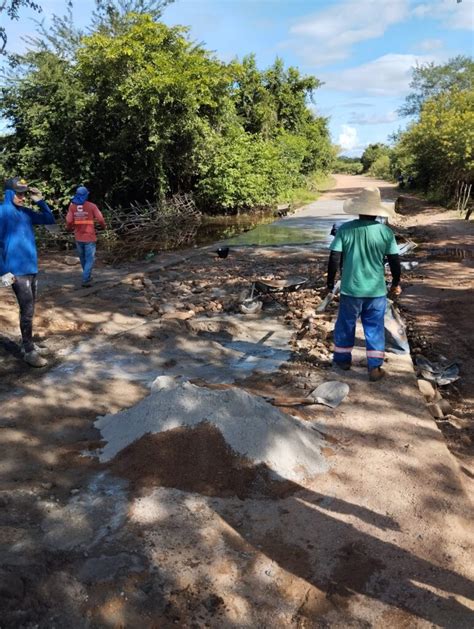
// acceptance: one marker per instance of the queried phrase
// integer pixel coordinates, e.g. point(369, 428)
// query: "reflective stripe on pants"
point(371, 310)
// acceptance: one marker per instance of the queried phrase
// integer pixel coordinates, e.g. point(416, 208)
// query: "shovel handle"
point(296, 401)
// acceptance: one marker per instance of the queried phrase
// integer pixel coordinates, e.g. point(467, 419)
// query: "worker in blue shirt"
point(19, 257)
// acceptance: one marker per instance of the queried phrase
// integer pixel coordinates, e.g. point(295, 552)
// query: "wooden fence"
point(138, 230)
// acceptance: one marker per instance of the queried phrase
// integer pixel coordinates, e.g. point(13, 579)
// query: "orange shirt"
point(81, 218)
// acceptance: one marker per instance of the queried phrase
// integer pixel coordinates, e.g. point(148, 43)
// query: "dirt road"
point(179, 530)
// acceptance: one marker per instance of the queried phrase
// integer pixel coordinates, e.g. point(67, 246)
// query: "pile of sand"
point(251, 428)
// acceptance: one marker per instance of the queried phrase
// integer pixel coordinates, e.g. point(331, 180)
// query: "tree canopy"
point(372, 153)
point(438, 148)
point(136, 110)
point(431, 80)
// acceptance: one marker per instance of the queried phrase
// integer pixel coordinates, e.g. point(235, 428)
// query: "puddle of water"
point(274, 235)
point(260, 230)
point(298, 230)
point(225, 227)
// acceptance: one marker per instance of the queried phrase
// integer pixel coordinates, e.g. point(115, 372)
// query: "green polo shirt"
point(364, 245)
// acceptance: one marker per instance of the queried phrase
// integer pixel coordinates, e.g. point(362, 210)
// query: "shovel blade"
point(330, 393)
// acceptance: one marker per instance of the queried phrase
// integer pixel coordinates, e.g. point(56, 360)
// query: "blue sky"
point(362, 49)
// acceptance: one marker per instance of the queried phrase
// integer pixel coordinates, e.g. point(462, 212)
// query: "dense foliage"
point(430, 80)
point(136, 111)
point(372, 154)
point(348, 165)
point(437, 147)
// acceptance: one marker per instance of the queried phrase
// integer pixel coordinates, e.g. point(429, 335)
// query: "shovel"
point(329, 297)
point(328, 394)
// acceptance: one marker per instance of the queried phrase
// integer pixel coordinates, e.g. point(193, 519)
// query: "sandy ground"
point(382, 538)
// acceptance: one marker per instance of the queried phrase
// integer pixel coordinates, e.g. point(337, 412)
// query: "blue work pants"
point(86, 251)
point(371, 310)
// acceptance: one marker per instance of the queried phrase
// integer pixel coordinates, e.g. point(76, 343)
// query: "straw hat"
point(368, 202)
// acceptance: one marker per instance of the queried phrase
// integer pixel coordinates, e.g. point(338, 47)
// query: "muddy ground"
point(381, 539)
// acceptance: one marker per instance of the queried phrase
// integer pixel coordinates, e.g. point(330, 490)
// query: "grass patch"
point(315, 186)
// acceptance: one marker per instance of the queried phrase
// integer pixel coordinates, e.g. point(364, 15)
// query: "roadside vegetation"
point(137, 111)
point(436, 148)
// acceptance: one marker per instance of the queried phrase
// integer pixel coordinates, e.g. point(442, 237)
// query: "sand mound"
point(196, 460)
point(250, 427)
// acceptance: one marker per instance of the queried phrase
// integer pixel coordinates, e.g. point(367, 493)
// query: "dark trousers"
point(25, 291)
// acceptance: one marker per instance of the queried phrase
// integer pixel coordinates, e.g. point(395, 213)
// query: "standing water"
point(309, 226)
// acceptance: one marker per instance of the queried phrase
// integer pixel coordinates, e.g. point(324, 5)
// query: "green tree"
point(380, 168)
point(44, 108)
point(149, 90)
point(252, 99)
point(348, 165)
point(137, 111)
point(440, 145)
point(372, 153)
point(430, 80)
point(289, 93)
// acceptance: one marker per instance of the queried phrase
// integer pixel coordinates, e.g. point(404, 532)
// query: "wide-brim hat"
point(368, 202)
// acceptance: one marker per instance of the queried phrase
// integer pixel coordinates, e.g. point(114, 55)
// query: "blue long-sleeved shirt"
point(17, 237)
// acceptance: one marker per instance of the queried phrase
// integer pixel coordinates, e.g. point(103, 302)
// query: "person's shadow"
point(308, 540)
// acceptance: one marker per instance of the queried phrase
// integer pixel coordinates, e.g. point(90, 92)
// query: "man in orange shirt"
point(81, 216)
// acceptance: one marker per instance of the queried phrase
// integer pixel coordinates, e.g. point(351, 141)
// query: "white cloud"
point(367, 119)
point(455, 15)
point(430, 44)
point(354, 104)
point(420, 10)
point(348, 139)
point(329, 35)
point(388, 75)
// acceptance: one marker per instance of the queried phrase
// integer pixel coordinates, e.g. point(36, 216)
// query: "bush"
point(348, 168)
point(240, 171)
point(381, 168)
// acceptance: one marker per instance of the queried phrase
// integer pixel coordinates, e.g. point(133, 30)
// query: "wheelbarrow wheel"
point(251, 306)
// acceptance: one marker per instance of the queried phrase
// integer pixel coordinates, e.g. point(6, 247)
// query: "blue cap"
point(81, 195)
point(17, 184)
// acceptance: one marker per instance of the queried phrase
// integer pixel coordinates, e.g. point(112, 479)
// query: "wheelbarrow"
point(253, 303)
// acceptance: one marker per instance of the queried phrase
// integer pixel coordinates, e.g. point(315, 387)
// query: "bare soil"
point(178, 530)
point(195, 460)
point(438, 304)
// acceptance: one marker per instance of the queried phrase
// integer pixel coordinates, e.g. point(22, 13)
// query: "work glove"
point(394, 291)
point(36, 195)
point(7, 280)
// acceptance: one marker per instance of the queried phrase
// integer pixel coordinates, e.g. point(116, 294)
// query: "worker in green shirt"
point(362, 246)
